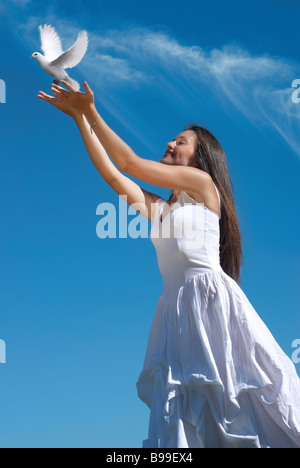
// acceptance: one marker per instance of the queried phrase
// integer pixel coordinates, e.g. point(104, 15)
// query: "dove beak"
point(31, 57)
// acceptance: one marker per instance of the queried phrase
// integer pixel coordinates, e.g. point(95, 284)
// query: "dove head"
point(37, 56)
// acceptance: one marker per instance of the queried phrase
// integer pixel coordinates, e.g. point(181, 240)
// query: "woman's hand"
point(72, 102)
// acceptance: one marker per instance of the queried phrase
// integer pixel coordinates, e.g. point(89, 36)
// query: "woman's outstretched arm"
point(96, 151)
point(84, 103)
point(94, 148)
point(173, 177)
point(141, 200)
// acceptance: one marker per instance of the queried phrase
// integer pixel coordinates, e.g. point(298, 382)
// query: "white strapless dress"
point(213, 375)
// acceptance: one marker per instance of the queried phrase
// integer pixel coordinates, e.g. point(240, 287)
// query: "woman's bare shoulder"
point(207, 195)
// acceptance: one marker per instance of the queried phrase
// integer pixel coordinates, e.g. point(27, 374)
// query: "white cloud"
point(112, 69)
point(258, 86)
point(282, 114)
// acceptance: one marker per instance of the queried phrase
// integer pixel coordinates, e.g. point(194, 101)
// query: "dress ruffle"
point(214, 376)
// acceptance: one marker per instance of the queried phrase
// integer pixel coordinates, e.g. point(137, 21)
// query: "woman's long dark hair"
point(210, 157)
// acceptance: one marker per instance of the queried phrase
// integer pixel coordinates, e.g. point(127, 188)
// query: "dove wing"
point(51, 45)
point(75, 54)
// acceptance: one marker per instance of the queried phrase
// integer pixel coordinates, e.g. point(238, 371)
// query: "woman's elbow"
point(124, 167)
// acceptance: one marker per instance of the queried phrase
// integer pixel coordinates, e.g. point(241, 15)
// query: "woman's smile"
point(169, 153)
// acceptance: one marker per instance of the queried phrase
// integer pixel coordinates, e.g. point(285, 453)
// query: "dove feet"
point(56, 82)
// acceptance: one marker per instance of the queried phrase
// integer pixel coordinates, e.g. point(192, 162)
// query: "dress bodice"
point(186, 241)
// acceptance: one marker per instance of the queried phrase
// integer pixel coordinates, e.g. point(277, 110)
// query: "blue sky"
point(76, 310)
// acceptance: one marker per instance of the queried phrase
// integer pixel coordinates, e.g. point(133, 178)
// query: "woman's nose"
point(171, 144)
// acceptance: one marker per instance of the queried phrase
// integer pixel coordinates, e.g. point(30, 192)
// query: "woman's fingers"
point(44, 96)
point(57, 93)
point(59, 89)
point(68, 86)
point(87, 88)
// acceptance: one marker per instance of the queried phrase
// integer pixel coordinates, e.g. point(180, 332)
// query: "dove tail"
point(73, 83)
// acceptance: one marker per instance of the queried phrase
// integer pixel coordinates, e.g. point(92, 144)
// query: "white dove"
point(54, 61)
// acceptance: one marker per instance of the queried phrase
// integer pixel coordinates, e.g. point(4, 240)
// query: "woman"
point(213, 375)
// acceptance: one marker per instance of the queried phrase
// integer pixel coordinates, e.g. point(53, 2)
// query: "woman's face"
point(181, 150)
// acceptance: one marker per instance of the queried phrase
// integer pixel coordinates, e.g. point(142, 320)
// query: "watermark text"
point(178, 221)
point(296, 93)
point(296, 353)
point(2, 92)
point(2, 352)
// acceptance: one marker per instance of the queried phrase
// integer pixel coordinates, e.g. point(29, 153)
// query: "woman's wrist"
point(78, 117)
point(91, 114)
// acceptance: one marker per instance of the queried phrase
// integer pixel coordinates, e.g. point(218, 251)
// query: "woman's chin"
point(166, 160)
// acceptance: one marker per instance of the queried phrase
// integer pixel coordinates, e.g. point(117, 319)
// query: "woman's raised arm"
point(96, 152)
point(84, 103)
point(184, 178)
point(94, 148)
point(141, 200)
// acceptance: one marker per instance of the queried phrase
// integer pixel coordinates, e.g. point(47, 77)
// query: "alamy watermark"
point(2, 92)
point(296, 353)
point(296, 94)
point(2, 352)
point(173, 224)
